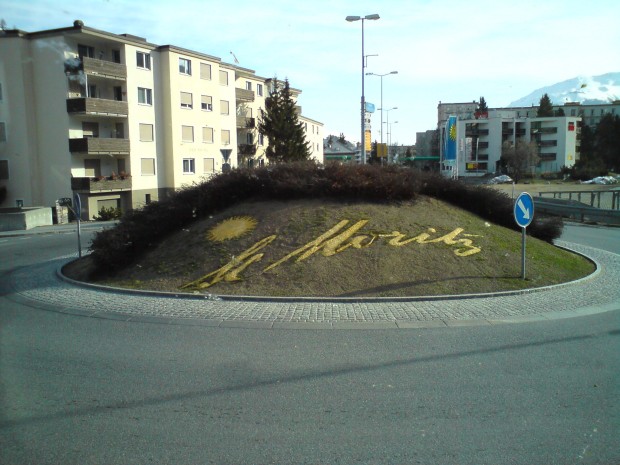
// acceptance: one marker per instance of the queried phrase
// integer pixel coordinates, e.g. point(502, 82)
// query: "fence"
point(607, 200)
point(584, 206)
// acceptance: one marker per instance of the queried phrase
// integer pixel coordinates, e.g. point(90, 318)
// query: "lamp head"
point(353, 18)
point(374, 17)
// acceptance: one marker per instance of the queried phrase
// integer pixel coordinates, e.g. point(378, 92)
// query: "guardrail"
point(573, 210)
point(598, 199)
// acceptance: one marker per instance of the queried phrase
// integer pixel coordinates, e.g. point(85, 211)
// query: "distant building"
point(121, 121)
point(337, 149)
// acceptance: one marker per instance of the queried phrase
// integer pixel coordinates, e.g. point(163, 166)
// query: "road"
point(86, 390)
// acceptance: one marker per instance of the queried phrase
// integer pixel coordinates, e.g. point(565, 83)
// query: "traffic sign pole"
point(522, 253)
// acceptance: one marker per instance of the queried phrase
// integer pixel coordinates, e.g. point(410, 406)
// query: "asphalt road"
point(99, 391)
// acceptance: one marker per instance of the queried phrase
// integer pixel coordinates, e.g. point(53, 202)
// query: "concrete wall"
point(16, 219)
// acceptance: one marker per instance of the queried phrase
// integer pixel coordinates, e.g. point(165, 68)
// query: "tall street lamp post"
point(387, 127)
point(363, 104)
point(381, 76)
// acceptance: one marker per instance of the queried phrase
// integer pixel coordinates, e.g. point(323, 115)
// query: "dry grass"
point(377, 270)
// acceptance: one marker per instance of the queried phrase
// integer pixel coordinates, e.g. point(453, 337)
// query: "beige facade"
point(121, 121)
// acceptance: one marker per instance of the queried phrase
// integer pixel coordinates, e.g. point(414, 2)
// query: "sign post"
point(524, 214)
point(77, 209)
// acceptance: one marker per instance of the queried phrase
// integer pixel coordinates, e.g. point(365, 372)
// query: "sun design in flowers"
point(231, 228)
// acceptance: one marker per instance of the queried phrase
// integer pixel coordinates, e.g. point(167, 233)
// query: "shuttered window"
point(146, 132)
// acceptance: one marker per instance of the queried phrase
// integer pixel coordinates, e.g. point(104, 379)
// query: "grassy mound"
point(283, 249)
point(142, 230)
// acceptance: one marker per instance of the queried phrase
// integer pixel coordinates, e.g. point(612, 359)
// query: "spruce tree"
point(545, 107)
point(482, 106)
point(280, 123)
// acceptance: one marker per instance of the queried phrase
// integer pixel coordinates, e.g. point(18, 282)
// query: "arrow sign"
point(524, 209)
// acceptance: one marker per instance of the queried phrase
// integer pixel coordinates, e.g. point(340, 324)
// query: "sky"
point(447, 50)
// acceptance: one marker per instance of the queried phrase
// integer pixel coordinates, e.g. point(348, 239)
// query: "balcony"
point(92, 185)
point(103, 68)
point(96, 146)
point(246, 123)
point(97, 106)
point(244, 95)
point(247, 149)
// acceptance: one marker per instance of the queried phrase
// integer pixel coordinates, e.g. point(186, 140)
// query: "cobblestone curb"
point(41, 287)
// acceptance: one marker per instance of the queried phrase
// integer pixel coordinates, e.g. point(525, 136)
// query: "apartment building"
point(479, 139)
point(121, 121)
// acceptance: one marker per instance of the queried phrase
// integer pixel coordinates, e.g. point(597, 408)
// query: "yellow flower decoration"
point(232, 228)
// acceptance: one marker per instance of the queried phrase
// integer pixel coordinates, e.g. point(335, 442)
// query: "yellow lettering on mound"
point(230, 271)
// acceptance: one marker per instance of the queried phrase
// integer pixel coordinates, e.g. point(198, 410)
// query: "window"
point(224, 107)
point(146, 132)
point(248, 85)
point(259, 89)
point(223, 78)
point(209, 165)
point(207, 135)
point(225, 137)
point(185, 66)
point(145, 96)
point(116, 56)
point(147, 166)
point(189, 166)
point(249, 138)
point(187, 133)
point(206, 102)
point(261, 139)
point(4, 169)
point(86, 51)
point(147, 198)
point(205, 71)
point(144, 60)
point(2, 132)
point(186, 100)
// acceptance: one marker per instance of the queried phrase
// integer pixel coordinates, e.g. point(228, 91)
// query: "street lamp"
point(363, 105)
point(387, 124)
point(381, 76)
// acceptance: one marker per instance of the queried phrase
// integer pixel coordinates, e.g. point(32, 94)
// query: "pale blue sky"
point(450, 51)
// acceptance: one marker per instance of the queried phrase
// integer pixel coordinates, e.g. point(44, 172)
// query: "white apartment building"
point(479, 139)
point(121, 121)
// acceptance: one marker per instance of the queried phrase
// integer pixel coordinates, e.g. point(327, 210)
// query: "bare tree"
point(519, 158)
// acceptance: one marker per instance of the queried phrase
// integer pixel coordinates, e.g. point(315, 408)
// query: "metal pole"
point(79, 238)
point(522, 253)
point(363, 110)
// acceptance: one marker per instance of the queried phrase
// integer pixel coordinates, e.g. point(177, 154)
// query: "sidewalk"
point(59, 228)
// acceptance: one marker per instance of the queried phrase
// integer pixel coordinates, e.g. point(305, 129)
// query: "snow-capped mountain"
point(585, 89)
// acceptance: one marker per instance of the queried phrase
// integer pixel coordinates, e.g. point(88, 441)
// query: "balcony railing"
point(246, 123)
point(96, 145)
point(244, 95)
point(247, 149)
point(103, 185)
point(97, 106)
point(104, 68)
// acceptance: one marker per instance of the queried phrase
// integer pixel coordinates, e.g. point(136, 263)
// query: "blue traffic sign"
point(524, 209)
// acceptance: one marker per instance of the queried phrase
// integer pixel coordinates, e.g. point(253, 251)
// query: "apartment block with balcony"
point(117, 120)
point(480, 140)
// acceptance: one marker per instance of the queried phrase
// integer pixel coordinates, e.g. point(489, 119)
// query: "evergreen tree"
point(545, 107)
point(280, 123)
point(607, 141)
point(482, 106)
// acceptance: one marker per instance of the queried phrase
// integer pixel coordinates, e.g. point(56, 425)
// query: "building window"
point(261, 139)
point(259, 89)
point(147, 166)
point(4, 169)
point(205, 71)
point(86, 51)
point(223, 78)
point(224, 107)
point(248, 85)
point(249, 138)
point(185, 66)
point(147, 198)
point(207, 135)
point(225, 137)
point(187, 133)
point(146, 132)
point(206, 102)
point(209, 165)
point(189, 166)
point(145, 96)
point(186, 100)
point(144, 60)
point(2, 132)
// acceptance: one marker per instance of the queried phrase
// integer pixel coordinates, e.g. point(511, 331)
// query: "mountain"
point(584, 89)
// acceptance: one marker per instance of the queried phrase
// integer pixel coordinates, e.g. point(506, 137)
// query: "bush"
point(139, 230)
point(107, 214)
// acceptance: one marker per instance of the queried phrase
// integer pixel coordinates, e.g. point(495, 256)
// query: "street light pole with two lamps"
point(363, 103)
point(381, 76)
